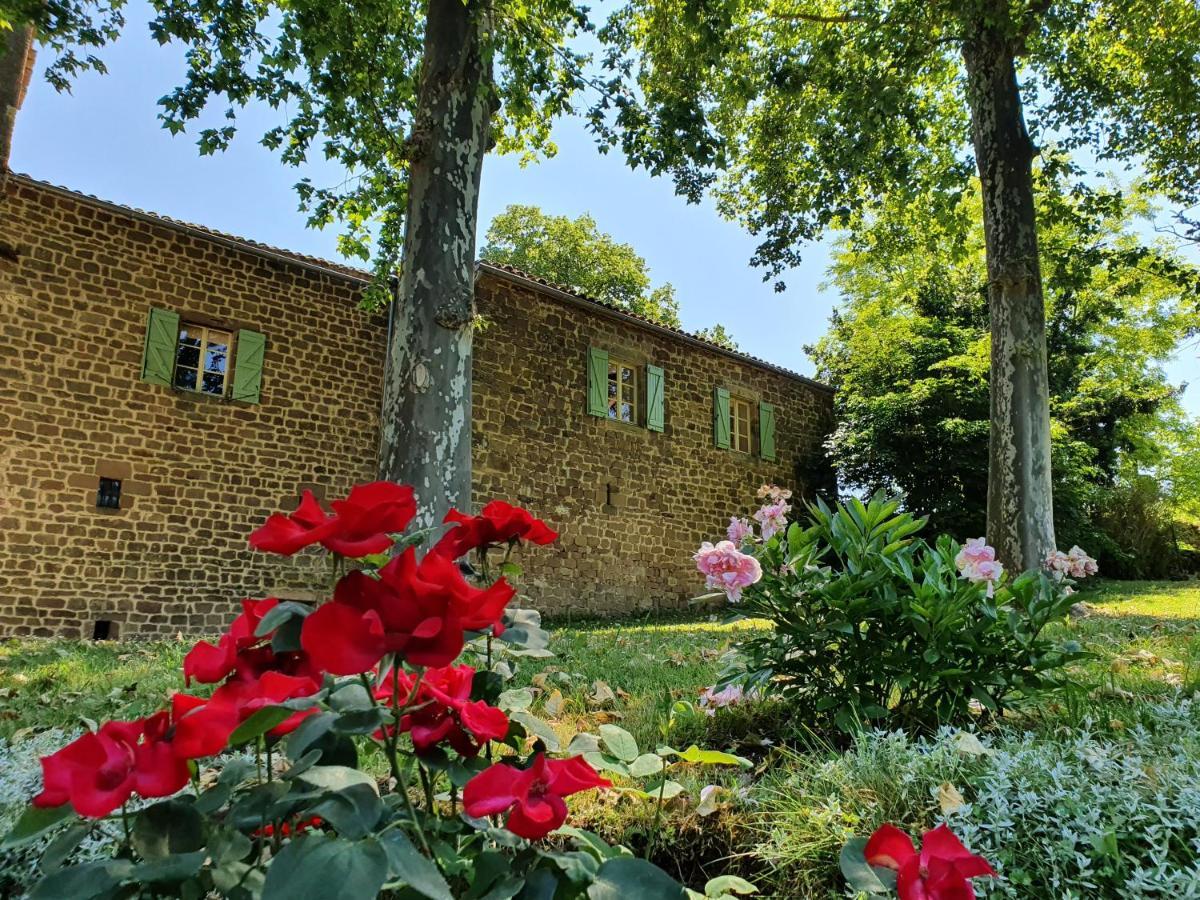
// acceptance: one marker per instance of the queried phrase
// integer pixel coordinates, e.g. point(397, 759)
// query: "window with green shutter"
point(248, 366)
point(766, 430)
point(158, 354)
point(721, 418)
point(597, 382)
point(655, 406)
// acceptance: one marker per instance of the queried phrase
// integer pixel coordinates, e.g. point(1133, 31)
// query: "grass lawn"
point(1144, 635)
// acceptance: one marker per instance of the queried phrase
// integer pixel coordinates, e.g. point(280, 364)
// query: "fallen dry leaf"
point(968, 745)
point(710, 799)
point(601, 694)
point(949, 799)
point(553, 704)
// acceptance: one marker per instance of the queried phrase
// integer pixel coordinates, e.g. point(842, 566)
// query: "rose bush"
point(263, 788)
point(872, 624)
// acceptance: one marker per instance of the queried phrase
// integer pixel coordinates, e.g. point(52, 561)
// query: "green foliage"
point(909, 355)
point(752, 100)
point(874, 625)
point(71, 29)
point(344, 76)
point(718, 335)
point(576, 253)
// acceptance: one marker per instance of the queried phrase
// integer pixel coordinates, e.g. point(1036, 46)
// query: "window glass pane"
point(214, 383)
point(626, 375)
point(626, 412)
point(612, 409)
point(185, 378)
point(188, 352)
point(216, 352)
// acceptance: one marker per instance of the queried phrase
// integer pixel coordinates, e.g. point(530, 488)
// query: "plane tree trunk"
point(426, 414)
point(1020, 516)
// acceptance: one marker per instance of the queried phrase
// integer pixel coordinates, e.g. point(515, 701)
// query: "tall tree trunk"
point(16, 65)
point(1020, 519)
point(426, 415)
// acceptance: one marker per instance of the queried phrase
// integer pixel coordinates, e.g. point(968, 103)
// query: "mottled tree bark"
point(1020, 520)
point(16, 61)
point(426, 415)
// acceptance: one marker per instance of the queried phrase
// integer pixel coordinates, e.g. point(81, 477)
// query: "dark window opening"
point(104, 630)
point(109, 494)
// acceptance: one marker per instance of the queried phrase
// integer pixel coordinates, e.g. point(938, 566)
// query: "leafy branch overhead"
point(752, 100)
point(344, 77)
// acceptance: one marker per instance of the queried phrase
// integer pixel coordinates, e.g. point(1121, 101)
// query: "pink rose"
point(974, 552)
point(988, 571)
point(1058, 564)
point(727, 568)
point(711, 700)
point(739, 530)
point(772, 518)
point(774, 493)
point(1082, 565)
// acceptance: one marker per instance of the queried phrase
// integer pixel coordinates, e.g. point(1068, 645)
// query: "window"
point(739, 424)
point(622, 392)
point(202, 359)
point(108, 496)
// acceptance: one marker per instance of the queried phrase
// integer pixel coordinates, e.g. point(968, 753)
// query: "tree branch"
point(842, 19)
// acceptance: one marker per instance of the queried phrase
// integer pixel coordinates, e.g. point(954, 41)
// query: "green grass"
point(47, 684)
point(1144, 635)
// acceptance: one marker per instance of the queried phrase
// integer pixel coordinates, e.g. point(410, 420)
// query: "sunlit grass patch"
point(47, 684)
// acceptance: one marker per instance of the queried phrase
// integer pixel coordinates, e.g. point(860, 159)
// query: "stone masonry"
point(78, 277)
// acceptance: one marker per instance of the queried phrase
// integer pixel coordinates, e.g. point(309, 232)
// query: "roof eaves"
point(265, 251)
point(564, 292)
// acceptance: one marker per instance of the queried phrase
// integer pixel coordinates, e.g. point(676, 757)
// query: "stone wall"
point(76, 282)
point(77, 278)
point(631, 505)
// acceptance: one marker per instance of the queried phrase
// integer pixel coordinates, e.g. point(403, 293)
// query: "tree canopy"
point(576, 252)
point(800, 115)
point(909, 354)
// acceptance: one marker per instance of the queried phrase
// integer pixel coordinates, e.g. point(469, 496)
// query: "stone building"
point(163, 387)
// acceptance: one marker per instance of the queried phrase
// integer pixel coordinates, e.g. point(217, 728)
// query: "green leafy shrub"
point(874, 624)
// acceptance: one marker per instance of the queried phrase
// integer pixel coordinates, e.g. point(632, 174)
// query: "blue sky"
point(105, 139)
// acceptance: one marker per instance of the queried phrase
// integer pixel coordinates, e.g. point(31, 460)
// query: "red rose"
point(360, 525)
point(419, 611)
point(939, 872)
point(445, 711)
point(204, 726)
point(497, 523)
point(242, 654)
point(209, 664)
point(99, 771)
point(534, 796)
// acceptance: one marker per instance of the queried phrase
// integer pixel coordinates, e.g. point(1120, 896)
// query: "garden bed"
point(1067, 820)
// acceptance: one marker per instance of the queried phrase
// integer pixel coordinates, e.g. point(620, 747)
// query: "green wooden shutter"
point(597, 382)
point(248, 366)
point(721, 418)
point(162, 339)
point(766, 431)
point(655, 411)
